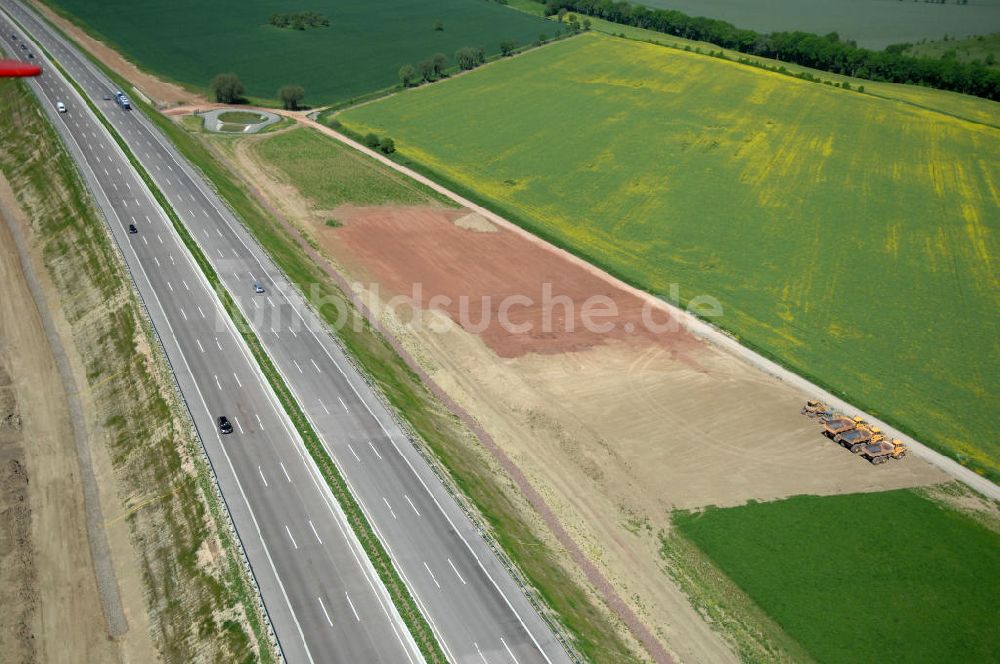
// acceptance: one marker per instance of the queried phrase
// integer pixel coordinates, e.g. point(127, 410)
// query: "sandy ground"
point(157, 90)
point(657, 420)
point(68, 623)
point(614, 429)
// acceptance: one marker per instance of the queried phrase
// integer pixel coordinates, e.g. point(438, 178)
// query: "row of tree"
point(229, 89)
point(828, 52)
point(433, 68)
point(299, 20)
point(429, 69)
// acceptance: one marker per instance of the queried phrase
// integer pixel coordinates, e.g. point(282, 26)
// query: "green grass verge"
point(137, 417)
point(887, 576)
point(331, 174)
point(770, 211)
point(379, 557)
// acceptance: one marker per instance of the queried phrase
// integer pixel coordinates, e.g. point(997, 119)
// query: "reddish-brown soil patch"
point(517, 296)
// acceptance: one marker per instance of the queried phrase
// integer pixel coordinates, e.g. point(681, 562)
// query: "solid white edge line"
point(74, 92)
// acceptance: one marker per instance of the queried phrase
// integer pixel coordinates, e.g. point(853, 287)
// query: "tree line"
point(229, 89)
point(828, 52)
point(434, 67)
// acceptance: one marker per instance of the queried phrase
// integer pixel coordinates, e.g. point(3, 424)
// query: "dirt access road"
point(53, 609)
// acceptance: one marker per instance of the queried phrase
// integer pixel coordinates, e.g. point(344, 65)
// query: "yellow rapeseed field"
point(850, 236)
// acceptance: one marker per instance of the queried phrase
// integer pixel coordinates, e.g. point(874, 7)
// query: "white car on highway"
point(61, 107)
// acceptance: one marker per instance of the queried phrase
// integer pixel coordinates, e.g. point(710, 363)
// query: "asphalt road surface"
point(323, 598)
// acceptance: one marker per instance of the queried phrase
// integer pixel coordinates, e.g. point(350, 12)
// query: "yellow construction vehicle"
point(838, 424)
point(883, 450)
point(855, 439)
point(814, 409)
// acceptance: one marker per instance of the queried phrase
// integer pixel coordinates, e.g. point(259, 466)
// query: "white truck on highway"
point(122, 100)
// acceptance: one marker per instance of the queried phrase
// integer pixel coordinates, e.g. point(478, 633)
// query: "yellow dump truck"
point(883, 450)
point(839, 424)
point(855, 439)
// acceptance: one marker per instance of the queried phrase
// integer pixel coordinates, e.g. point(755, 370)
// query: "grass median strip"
point(379, 557)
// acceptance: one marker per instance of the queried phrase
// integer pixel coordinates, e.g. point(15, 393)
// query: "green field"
point(362, 50)
point(851, 237)
point(330, 174)
point(871, 23)
point(883, 577)
point(972, 49)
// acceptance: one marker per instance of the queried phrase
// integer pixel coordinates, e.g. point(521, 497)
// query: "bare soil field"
point(614, 431)
point(54, 609)
point(161, 92)
point(686, 424)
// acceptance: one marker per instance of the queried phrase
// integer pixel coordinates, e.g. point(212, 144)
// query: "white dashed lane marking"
point(353, 610)
point(328, 621)
point(455, 570)
point(314, 531)
point(427, 567)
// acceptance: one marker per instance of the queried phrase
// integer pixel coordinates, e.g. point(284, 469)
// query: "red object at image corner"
point(12, 68)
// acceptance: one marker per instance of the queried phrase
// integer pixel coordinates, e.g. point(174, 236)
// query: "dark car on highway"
point(224, 425)
point(132, 229)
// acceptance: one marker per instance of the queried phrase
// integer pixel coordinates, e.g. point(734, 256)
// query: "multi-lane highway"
point(323, 598)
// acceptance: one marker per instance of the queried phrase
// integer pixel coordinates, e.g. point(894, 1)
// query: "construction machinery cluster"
point(855, 434)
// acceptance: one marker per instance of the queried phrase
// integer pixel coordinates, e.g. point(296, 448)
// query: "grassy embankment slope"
point(334, 174)
point(200, 602)
point(878, 577)
point(189, 41)
point(850, 237)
